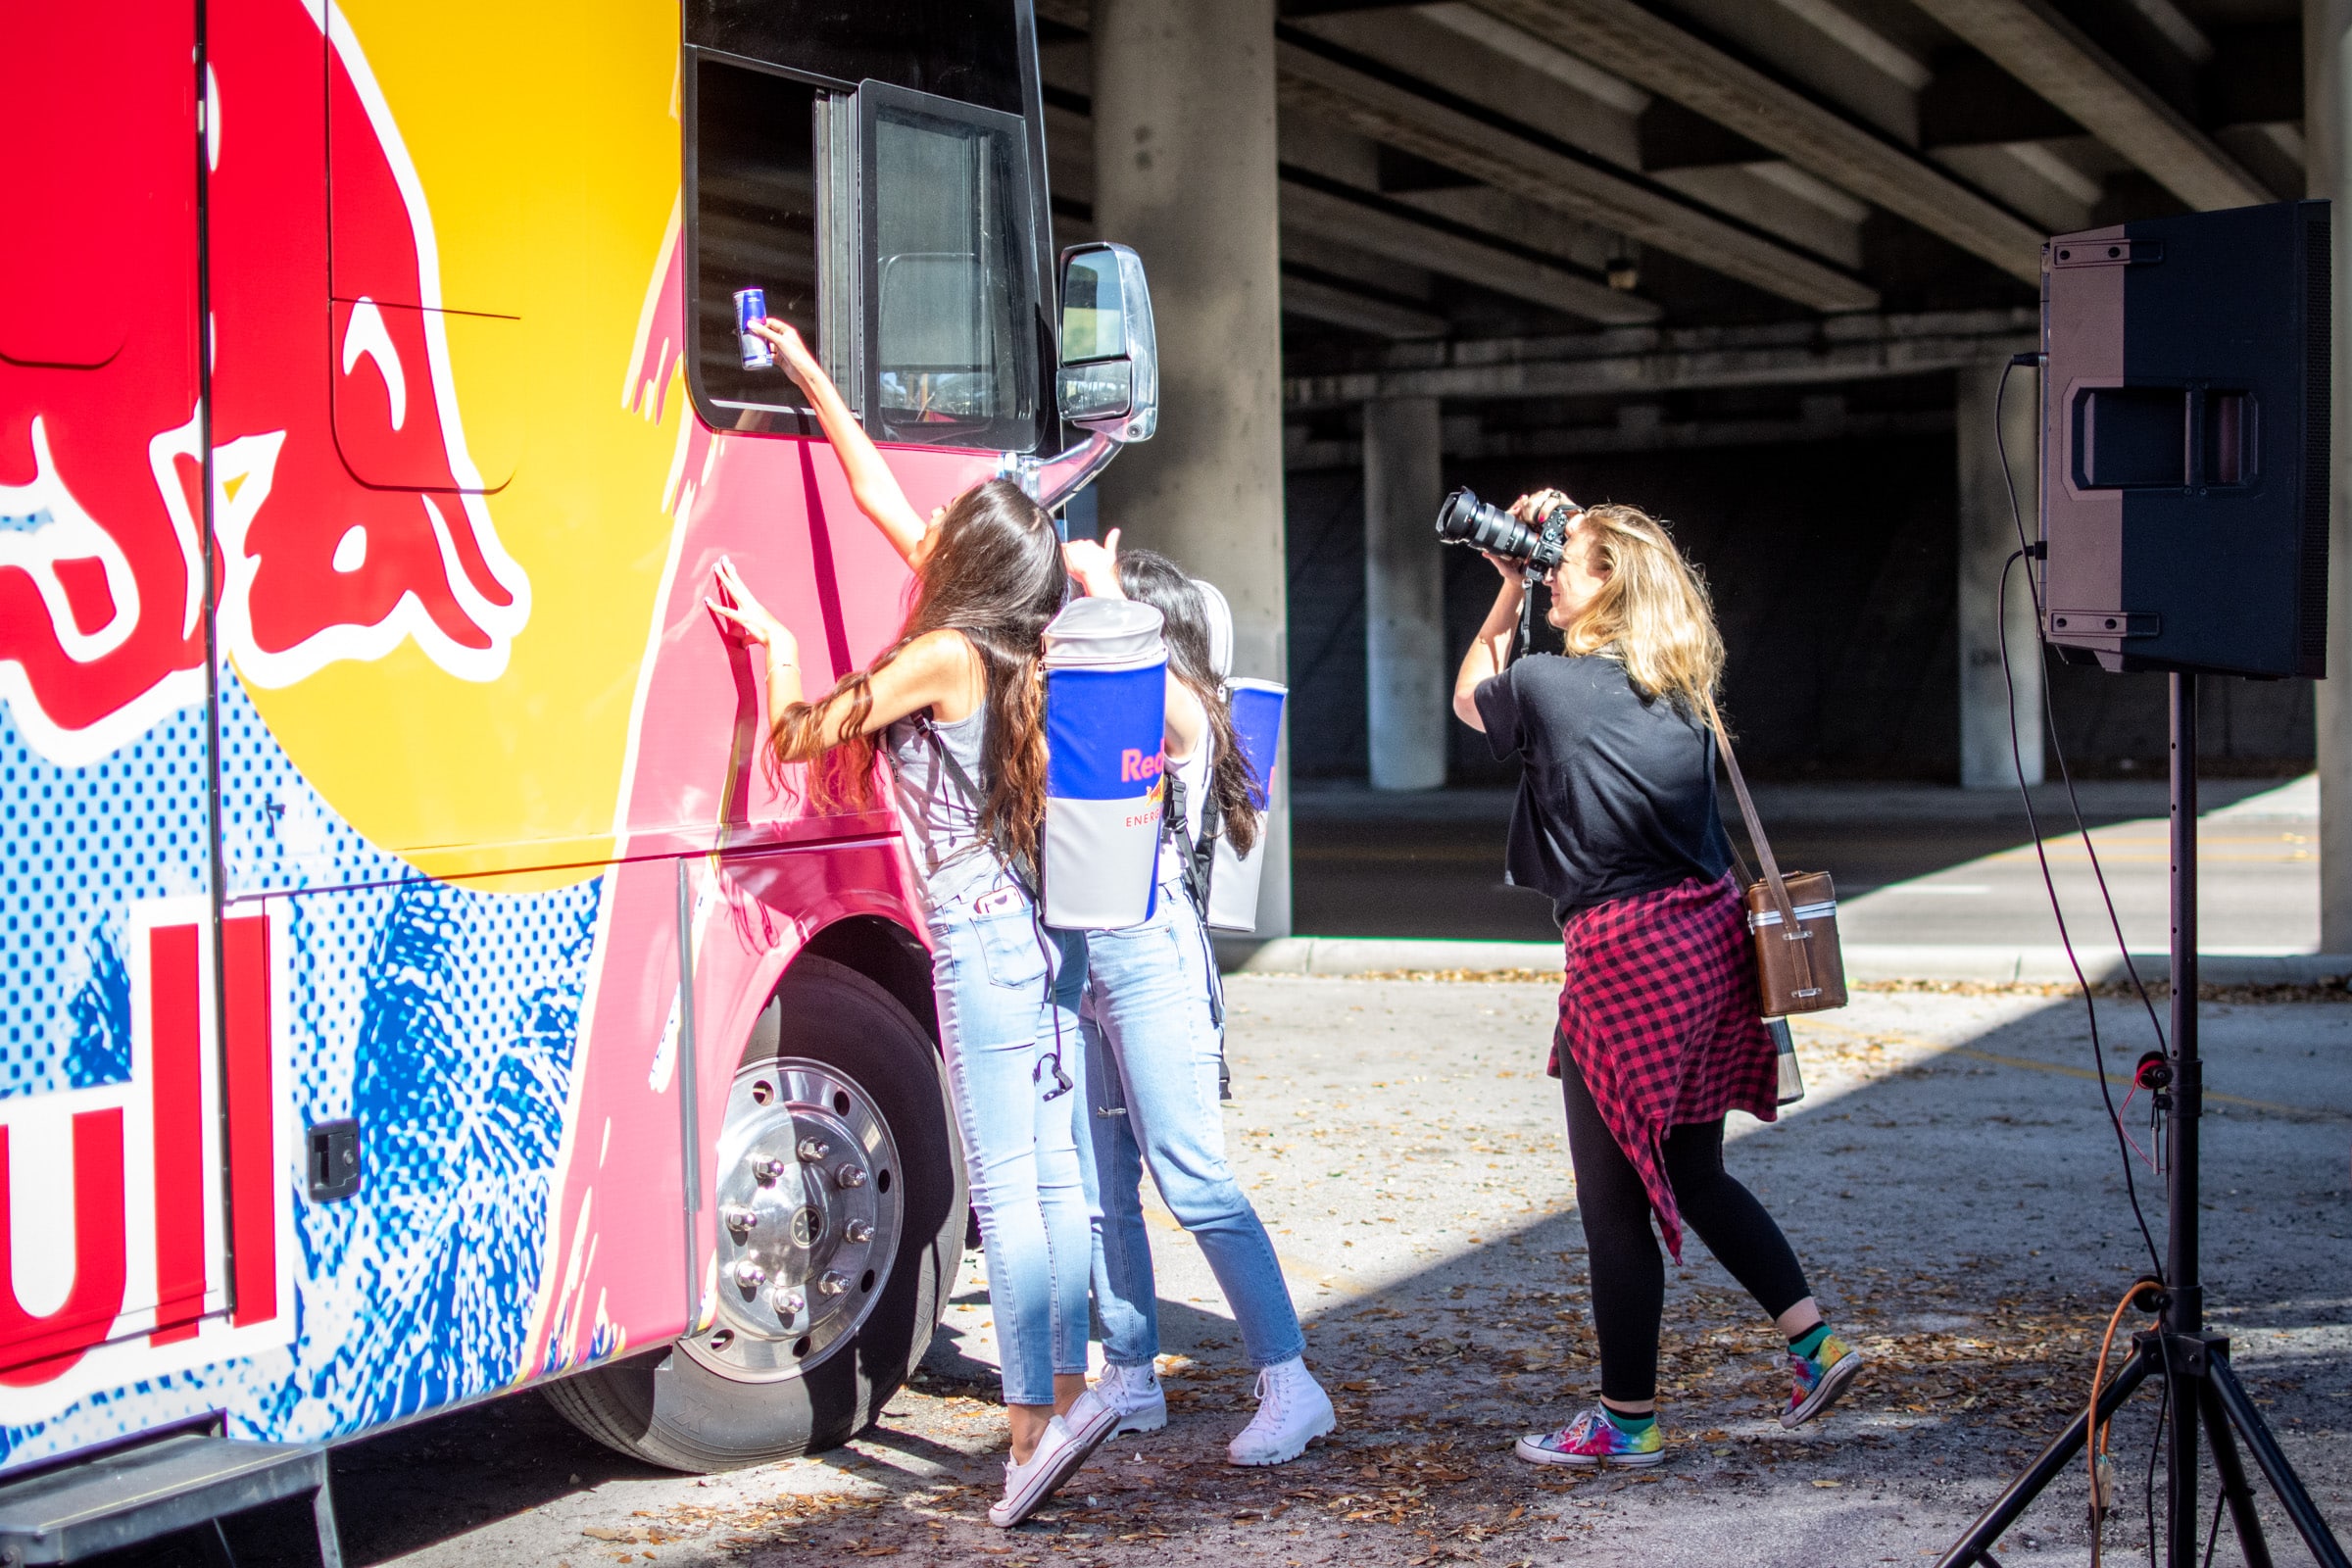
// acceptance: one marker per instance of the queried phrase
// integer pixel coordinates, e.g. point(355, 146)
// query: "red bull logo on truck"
point(343, 524)
point(131, 1272)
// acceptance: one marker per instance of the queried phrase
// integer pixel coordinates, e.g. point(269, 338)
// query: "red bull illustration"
point(429, 994)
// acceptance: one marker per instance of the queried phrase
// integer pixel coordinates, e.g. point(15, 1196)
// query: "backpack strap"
point(1173, 828)
point(1199, 861)
point(1017, 864)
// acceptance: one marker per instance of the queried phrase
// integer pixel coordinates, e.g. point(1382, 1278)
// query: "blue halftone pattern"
point(447, 1021)
point(78, 845)
point(460, 1097)
point(98, 1051)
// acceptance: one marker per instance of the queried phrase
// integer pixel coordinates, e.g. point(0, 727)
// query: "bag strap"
point(1790, 931)
point(1019, 864)
point(1204, 850)
point(1174, 815)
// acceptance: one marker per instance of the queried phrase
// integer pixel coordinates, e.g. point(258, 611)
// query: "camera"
point(1464, 520)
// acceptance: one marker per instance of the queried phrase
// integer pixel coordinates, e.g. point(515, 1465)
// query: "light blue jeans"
point(1151, 1061)
point(1007, 991)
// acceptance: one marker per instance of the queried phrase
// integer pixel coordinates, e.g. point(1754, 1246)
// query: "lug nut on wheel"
point(832, 1282)
point(750, 1274)
point(767, 1168)
point(851, 1176)
point(788, 1303)
point(813, 1151)
point(740, 1217)
point(859, 1232)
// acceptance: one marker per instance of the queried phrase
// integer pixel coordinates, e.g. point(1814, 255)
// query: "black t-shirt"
point(1616, 790)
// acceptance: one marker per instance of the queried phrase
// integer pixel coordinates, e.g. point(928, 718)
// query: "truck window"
point(968, 50)
point(876, 166)
point(952, 306)
point(752, 222)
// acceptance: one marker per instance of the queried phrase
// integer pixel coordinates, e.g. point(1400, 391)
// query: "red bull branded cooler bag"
point(1106, 709)
point(1233, 878)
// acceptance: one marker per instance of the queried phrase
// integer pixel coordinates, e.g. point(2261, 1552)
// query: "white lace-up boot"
point(1133, 1392)
point(1293, 1411)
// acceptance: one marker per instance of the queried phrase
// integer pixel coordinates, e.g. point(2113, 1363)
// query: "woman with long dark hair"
point(1155, 1038)
point(953, 706)
point(1658, 1036)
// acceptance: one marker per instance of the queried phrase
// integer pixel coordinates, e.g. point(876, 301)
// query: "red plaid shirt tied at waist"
point(1659, 1014)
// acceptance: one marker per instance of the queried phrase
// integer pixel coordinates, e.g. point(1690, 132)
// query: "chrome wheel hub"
point(810, 1204)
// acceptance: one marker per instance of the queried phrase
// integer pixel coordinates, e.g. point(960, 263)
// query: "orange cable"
point(2097, 1439)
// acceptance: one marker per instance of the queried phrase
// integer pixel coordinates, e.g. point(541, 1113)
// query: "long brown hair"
point(995, 574)
point(1654, 616)
point(1154, 579)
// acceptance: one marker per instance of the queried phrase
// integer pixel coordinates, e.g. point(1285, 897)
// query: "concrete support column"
point(1185, 173)
point(1987, 539)
point(2328, 159)
point(1405, 596)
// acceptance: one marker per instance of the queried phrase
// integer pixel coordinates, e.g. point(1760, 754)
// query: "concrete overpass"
point(1396, 243)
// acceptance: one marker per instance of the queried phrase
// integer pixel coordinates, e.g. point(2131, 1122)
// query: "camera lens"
point(1464, 520)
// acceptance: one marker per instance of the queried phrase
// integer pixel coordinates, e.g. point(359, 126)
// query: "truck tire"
point(839, 1215)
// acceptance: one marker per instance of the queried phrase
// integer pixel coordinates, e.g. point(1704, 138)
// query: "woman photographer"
point(1658, 1034)
point(955, 703)
point(1152, 1058)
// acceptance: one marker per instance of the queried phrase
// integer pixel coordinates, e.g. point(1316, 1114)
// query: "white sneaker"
point(1134, 1392)
point(1068, 1442)
point(1293, 1411)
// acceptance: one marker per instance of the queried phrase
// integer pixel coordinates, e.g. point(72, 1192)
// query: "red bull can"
point(751, 305)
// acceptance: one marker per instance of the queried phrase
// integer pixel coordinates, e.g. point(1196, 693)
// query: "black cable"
point(2213, 1535)
point(2164, 1404)
point(2091, 1004)
point(2049, 714)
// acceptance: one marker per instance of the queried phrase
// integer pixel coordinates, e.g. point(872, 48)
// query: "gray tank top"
point(942, 823)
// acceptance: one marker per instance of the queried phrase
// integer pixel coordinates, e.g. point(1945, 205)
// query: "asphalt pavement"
point(1949, 1182)
point(1914, 864)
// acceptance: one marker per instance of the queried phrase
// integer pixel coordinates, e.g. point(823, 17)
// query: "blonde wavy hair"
point(1654, 616)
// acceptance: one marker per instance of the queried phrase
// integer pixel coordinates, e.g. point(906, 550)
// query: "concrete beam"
point(1405, 721)
point(1184, 131)
point(1398, 237)
point(1637, 361)
point(1622, 37)
point(1306, 456)
point(1339, 307)
point(1310, 81)
point(2000, 656)
point(2033, 42)
point(2328, 131)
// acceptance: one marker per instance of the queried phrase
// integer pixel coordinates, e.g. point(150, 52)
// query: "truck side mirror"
point(1108, 383)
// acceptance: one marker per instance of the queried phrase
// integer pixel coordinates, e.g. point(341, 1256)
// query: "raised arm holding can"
point(954, 708)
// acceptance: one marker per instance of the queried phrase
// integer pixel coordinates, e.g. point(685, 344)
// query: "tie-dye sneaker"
point(1593, 1440)
point(1820, 1378)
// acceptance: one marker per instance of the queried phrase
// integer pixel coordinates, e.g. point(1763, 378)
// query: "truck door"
point(116, 1097)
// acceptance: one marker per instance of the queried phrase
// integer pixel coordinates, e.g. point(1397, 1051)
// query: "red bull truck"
point(416, 986)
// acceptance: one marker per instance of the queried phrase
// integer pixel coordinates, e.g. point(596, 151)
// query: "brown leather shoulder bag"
point(1793, 917)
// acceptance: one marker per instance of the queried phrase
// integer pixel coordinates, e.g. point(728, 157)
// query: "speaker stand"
point(2192, 1363)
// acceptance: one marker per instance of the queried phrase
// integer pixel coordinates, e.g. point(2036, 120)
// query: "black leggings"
point(1629, 1277)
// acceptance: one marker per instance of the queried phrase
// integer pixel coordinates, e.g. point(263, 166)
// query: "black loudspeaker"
point(2185, 441)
